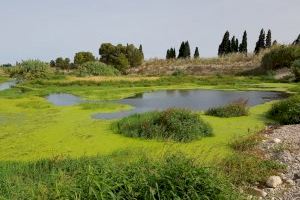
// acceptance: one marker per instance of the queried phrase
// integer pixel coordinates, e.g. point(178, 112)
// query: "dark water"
point(191, 99)
point(7, 85)
point(62, 99)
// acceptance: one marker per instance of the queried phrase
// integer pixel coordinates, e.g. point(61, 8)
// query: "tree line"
point(184, 52)
point(120, 56)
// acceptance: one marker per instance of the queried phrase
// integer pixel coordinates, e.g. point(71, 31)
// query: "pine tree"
point(187, 50)
point(260, 44)
point(196, 54)
point(269, 39)
point(224, 47)
point(243, 48)
point(141, 50)
point(181, 50)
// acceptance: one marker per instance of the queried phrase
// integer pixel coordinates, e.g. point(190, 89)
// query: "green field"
point(31, 128)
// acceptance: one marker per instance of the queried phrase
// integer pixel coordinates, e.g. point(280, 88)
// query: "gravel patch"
point(283, 145)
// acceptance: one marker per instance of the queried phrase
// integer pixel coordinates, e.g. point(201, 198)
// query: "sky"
point(47, 29)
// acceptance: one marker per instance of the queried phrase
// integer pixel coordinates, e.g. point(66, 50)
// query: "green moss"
point(31, 128)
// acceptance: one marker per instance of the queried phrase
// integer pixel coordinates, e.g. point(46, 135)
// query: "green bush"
point(30, 70)
point(235, 109)
point(96, 69)
point(172, 124)
point(172, 177)
point(296, 69)
point(286, 111)
point(280, 57)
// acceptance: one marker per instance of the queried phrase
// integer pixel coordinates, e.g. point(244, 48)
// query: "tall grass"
point(235, 109)
point(172, 177)
point(172, 124)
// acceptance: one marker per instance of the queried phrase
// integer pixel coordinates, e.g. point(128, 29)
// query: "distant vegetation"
point(296, 69)
point(121, 57)
point(280, 57)
point(286, 111)
point(172, 124)
point(30, 70)
point(96, 68)
point(234, 109)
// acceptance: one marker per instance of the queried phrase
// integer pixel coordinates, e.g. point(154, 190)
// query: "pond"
point(62, 99)
point(191, 99)
point(159, 100)
point(7, 85)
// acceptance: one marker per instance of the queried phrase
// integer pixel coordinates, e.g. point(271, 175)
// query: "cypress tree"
point(297, 41)
point(187, 50)
point(224, 47)
point(260, 44)
point(196, 54)
point(181, 50)
point(244, 46)
point(168, 54)
point(141, 50)
point(269, 39)
point(232, 44)
point(174, 53)
point(236, 45)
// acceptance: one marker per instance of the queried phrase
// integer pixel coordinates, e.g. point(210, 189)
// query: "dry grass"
point(230, 64)
point(110, 78)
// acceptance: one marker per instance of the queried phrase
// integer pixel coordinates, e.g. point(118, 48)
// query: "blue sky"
point(46, 29)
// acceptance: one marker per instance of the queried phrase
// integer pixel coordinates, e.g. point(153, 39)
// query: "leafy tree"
point(260, 44)
point(134, 55)
point(121, 57)
point(62, 63)
point(52, 63)
point(196, 54)
point(83, 57)
point(274, 42)
point(269, 39)
point(225, 47)
point(297, 41)
point(243, 46)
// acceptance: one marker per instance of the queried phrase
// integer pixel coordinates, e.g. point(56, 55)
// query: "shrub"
point(83, 57)
point(296, 69)
point(30, 70)
point(96, 69)
point(172, 124)
point(280, 57)
point(234, 109)
point(172, 177)
point(286, 111)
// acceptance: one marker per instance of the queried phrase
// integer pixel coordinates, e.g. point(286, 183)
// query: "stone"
point(276, 140)
point(258, 192)
point(274, 181)
point(290, 182)
point(297, 176)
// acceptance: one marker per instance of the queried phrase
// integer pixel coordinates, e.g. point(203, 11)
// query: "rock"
point(297, 176)
point(274, 181)
point(258, 192)
point(276, 140)
point(290, 182)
